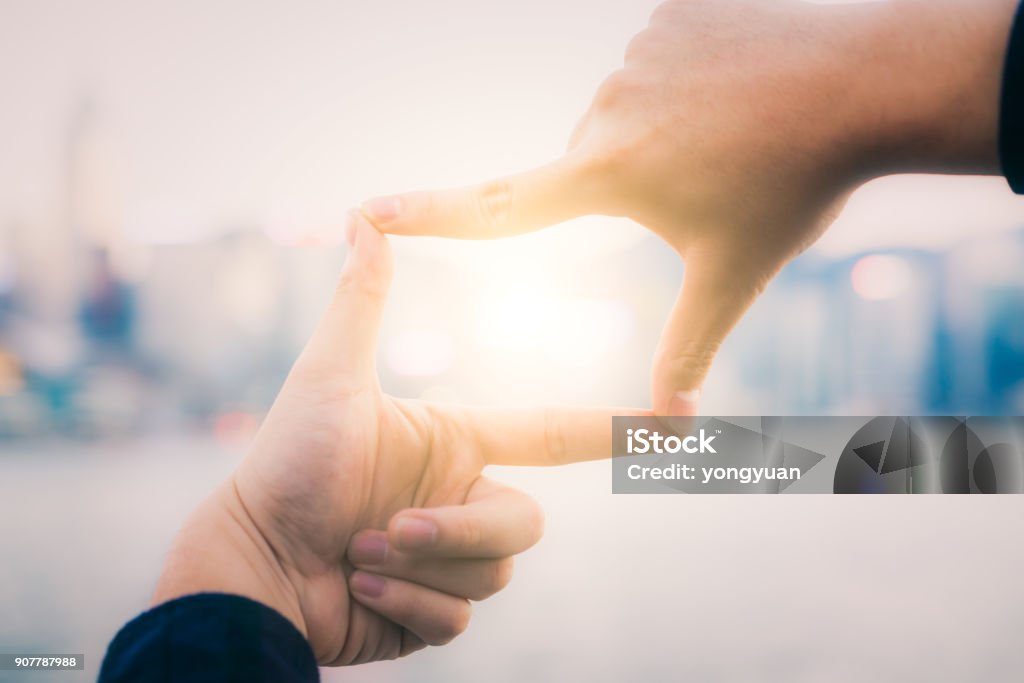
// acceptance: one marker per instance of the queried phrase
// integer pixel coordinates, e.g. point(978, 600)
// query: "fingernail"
point(383, 209)
point(415, 533)
point(369, 549)
point(684, 403)
point(370, 585)
point(350, 229)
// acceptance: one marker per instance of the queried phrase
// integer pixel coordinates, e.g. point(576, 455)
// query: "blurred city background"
point(172, 184)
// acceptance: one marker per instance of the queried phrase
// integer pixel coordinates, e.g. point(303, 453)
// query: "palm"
point(390, 454)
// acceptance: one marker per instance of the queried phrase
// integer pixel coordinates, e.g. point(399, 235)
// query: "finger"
point(434, 617)
point(345, 339)
point(410, 643)
point(495, 521)
point(473, 579)
point(542, 436)
point(715, 294)
point(500, 208)
point(372, 638)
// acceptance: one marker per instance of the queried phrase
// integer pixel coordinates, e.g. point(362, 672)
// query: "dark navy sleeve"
point(1011, 126)
point(209, 638)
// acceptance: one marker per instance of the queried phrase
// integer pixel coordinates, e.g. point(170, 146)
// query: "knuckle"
point(608, 166)
point(461, 621)
point(554, 437)
point(663, 13)
point(613, 91)
point(534, 522)
point(637, 46)
point(469, 531)
point(359, 285)
point(494, 204)
point(455, 625)
point(501, 574)
point(410, 644)
point(692, 360)
point(479, 592)
point(494, 576)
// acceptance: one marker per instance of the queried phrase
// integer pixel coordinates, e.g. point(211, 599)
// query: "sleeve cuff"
point(1011, 124)
point(209, 637)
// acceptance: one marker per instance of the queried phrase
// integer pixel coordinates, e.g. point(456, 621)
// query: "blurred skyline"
point(101, 334)
point(104, 331)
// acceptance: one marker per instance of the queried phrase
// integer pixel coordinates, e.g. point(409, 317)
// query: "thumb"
point(716, 292)
point(345, 340)
point(500, 208)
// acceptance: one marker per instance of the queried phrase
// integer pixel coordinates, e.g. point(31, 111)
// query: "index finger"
point(545, 436)
point(499, 208)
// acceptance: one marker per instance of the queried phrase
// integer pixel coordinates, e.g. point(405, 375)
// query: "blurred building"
point(100, 335)
point(906, 331)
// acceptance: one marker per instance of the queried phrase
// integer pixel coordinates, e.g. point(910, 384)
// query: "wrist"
point(220, 550)
point(928, 76)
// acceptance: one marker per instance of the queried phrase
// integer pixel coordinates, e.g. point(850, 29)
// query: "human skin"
point(735, 130)
point(338, 467)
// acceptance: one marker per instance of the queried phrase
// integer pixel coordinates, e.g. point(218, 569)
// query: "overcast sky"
point(211, 115)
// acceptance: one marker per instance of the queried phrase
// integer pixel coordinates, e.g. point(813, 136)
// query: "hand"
point(336, 455)
point(735, 131)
